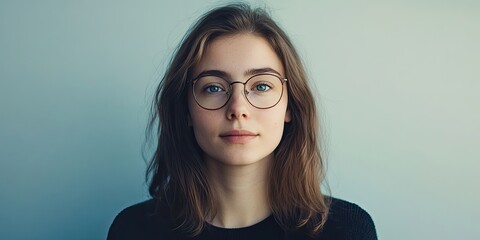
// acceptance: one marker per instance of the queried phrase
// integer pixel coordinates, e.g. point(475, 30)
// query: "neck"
point(241, 193)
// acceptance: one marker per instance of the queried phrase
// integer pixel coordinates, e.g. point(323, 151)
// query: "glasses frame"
point(230, 89)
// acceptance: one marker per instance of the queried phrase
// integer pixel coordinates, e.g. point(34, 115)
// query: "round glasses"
point(261, 91)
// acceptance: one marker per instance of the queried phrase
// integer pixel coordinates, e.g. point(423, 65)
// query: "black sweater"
point(346, 221)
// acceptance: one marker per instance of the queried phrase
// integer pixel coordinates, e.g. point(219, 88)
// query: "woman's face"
point(238, 133)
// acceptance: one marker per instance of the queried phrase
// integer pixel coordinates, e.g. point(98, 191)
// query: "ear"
point(288, 116)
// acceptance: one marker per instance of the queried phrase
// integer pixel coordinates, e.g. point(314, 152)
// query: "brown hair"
point(177, 172)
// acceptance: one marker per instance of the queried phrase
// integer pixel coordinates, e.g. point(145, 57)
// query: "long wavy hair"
point(177, 173)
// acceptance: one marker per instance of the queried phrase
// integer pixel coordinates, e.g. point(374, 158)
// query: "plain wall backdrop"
point(397, 84)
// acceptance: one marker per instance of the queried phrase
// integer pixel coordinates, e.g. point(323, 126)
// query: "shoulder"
point(140, 221)
point(347, 220)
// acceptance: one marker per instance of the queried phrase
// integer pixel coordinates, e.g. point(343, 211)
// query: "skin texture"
point(238, 161)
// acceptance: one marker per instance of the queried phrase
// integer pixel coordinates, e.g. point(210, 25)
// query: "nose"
point(238, 106)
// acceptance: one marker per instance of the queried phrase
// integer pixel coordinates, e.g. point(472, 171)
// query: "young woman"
point(238, 154)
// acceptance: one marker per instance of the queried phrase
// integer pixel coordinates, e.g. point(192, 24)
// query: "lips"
point(238, 136)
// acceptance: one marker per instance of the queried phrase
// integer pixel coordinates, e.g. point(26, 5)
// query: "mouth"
point(238, 136)
point(237, 133)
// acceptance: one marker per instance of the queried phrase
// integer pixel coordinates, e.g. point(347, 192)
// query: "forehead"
point(238, 53)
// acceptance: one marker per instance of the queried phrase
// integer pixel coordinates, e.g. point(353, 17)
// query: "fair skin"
point(238, 140)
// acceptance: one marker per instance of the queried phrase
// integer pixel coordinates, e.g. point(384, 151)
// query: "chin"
point(245, 161)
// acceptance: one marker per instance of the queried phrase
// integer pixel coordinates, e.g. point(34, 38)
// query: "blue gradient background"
point(397, 83)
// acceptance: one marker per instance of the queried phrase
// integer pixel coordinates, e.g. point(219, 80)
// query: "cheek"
point(199, 115)
point(195, 116)
point(200, 129)
point(274, 121)
point(203, 123)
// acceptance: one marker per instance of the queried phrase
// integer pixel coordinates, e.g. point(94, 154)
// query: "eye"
point(262, 87)
point(213, 89)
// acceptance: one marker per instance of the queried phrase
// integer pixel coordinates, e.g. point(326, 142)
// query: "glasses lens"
point(211, 92)
point(264, 91)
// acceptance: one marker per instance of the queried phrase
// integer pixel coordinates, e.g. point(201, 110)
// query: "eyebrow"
point(254, 71)
point(249, 72)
